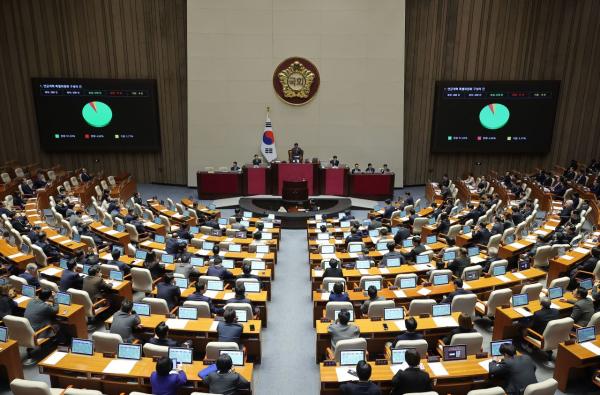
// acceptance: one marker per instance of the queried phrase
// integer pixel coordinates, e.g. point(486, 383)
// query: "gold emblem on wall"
point(296, 80)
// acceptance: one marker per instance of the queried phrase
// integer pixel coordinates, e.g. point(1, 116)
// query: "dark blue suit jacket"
point(70, 279)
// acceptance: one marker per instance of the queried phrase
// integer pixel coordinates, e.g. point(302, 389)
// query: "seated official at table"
point(391, 254)
point(52, 253)
point(256, 161)
point(199, 296)
point(123, 267)
point(370, 169)
point(225, 380)
point(163, 381)
point(185, 268)
point(459, 263)
point(412, 379)
point(94, 285)
point(385, 169)
point(247, 273)
point(27, 191)
point(373, 297)
point(540, 319)
point(354, 236)
point(168, 291)
point(342, 328)
point(297, 153)
point(410, 333)
point(583, 307)
point(355, 169)
point(161, 336)
point(240, 297)
point(229, 330)
point(70, 278)
point(41, 311)
point(125, 321)
point(338, 294)
point(235, 167)
point(363, 386)
point(465, 325)
point(458, 284)
point(7, 305)
point(216, 269)
point(334, 162)
point(518, 371)
point(31, 275)
point(333, 270)
point(416, 250)
point(84, 176)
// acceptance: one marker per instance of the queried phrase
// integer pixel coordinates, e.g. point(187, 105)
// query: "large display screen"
point(97, 114)
point(494, 116)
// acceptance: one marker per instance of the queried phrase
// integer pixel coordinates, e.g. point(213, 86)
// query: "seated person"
point(333, 270)
point(410, 333)
point(185, 268)
point(84, 176)
point(583, 307)
point(234, 167)
point(163, 381)
point(338, 294)
point(458, 284)
point(123, 267)
point(41, 311)
point(7, 305)
point(354, 236)
point(240, 296)
point(168, 291)
point(184, 232)
point(217, 270)
point(247, 272)
point(385, 169)
point(459, 264)
point(229, 330)
point(416, 250)
point(256, 161)
point(199, 296)
point(465, 325)
point(296, 153)
point(412, 379)
point(225, 380)
point(52, 253)
point(94, 285)
point(342, 329)
point(518, 371)
point(125, 321)
point(370, 169)
point(363, 385)
point(154, 266)
point(31, 275)
point(373, 297)
point(334, 162)
point(70, 278)
point(392, 253)
point(542, 317)
point(355, 169)
point(161, 336)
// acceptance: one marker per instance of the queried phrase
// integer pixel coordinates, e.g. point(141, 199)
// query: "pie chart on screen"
point(97, 114)
point(494, 116)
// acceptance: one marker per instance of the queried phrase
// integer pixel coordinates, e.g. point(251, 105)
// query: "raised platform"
point(294, 217)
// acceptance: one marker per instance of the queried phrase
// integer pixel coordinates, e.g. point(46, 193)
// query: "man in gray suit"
point(518, 371)
point(225, 380)
point(583, 308)
point(391, 254)
point(41, 312)
point(185, 268)
point(125, 321)
point(341, 329)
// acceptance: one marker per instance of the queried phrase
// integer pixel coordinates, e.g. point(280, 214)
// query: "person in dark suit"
point(497, 227)
point(385, 169)
point(417, 249)
point(199, 296)
point(256, 161)
point(342, 329)
point(481, 234)
point(7, 305)
point(161, 336)
point(542, 317)
point(247, 272)
point(333, 270)
point(587, 265)
point(123, 267)
point(444, 224)
point(410, 333)
point(51, 251)
point(445, 181)
point(458, 284)
point(84, 176)
point(94, 285)
point(334, 162)
point(225, 380)
point(465, 325)
point(125, 321)
point(355, 169)
point(413, 379)
point(70, 278)
point(153, 265)
point(565, 212)
point(354, 236)
point(363, 386)
point(168, 291)
point(41, 311)
point(5, 211)
point(388, 209)
point(217, 270)
point(583, 308)
point(391, 254)
point(234, 167)
point(401, 235)
point(559, 189)
point(39, 181)
point(184, 232)
point(338, 294)
point(229, 330)
point(518, 371)
point(27, 191)
point(370, 169)
point(373, 297)
point(459, 264)
point(240, 295)
point(31, 275)
point(297, 153)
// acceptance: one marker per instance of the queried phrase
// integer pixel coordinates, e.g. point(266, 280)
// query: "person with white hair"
point(31, 275)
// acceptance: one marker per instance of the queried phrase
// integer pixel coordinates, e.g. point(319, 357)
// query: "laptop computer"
point(423, 259)
point(214, 285)
point(3, 334)
point(237, 357)
point(392, 262)
point(187, 313)
point(351, 357)
point(441, 309)
point(129, 351)
point(407, 243)
point(520, 300)
point(449, 256)
point(499, 271)
point(495, 346)
point(242, 315)
point(355, 248)
point(472, 251)
point(252, 286)
point(409, 282)
point(373, 283)
point(63, 298)
point(234, 248)
point(116, 275)
point(141, 254)
point(337, 312)
point(472, 275)
point(363, 264)
point(399, 355)
point(180, 355)
point(455, 353)
point(394, 313)
point(258, 265)
point(441, 279)
point(82, 347)
point(586, 334)
point(323, 236)
point(142, 309)
point(431, 239)
point(555, 293)
point(182, 283)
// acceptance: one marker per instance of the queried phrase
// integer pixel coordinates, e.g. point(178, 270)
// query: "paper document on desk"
point(540, 232)
point(422, 266)
point(228, 295)
point(400, 324)
point(343, 375)
point(106, 257)
point(328, 256)
point(353, 255)
point(548, 227)
point(438, 369)
point(228, 239)
point(146, 243)
point(120, 366)
point(54, 358)
point(517, 245)
point(591, 347)
point(211, 294)
point(485, 364)
point(384, 270)
point(112, 232)
point(175, 323)
point(325, 296)
point(318, 273)
point(399, 293)
point(114, 283)
point(54, 237)
point(259, 256)
point(566, 257)
point(466, 286)
point(397, 367)
point(519, 275)
point(424, 291)
point(503, 278)
point(445, 321)
point(363, 271)
point(476, 259)
point(21, 299)
point(202, 252)
point(51, 271)
point(213, 326)
point(581, 250)
point(322, 242)
point(554, 306)
point(522, 311)
point(15, 256)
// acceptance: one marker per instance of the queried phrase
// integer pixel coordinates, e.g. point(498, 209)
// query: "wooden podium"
point(295, 191)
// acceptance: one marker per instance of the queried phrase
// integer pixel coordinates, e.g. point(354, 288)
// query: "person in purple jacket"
point(163, 381)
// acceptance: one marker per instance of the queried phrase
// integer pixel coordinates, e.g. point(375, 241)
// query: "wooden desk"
point(505, 317)
point(110, 234)
point(202, 331)
point(203, 209)
point(561, 265)
point(10, 360)
point(509, 251)
point(572, 361)
point(73, 316)
point(484, 284)
point(88, 371)
point(173, 216)
point(13, 255)
point(462, 377)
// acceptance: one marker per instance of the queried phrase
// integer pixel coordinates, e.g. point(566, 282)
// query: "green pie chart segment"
point(494, 116)
point(97, 114)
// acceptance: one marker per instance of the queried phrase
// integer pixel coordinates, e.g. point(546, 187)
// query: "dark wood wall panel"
point(502, 40)
point(95, 39)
